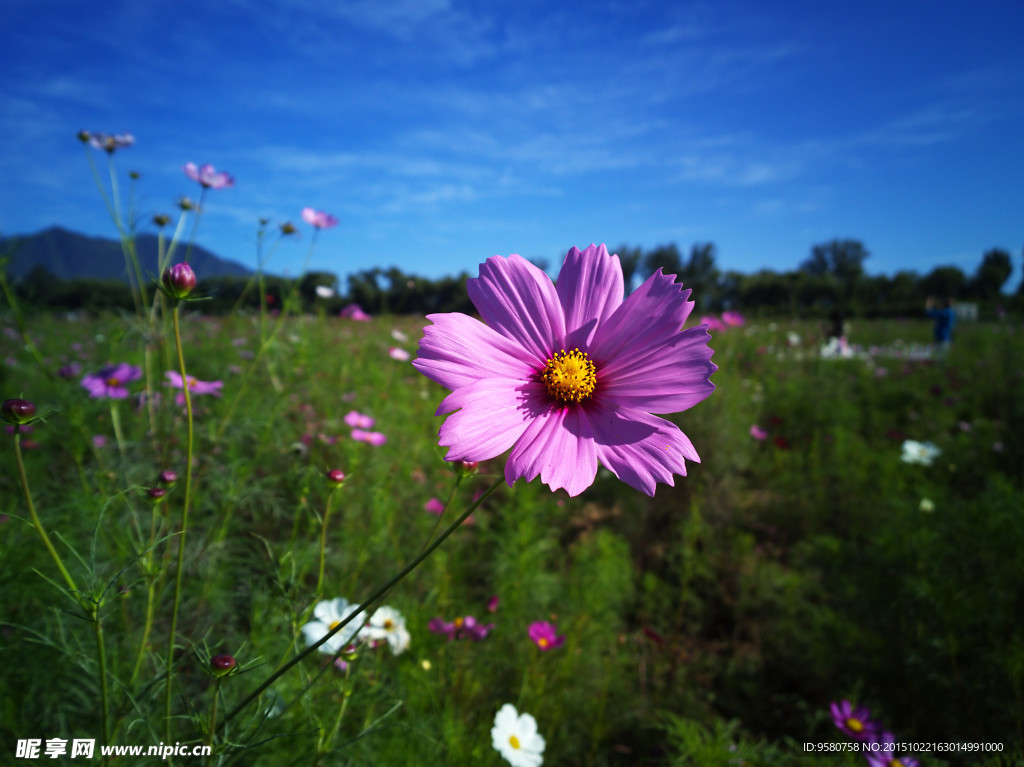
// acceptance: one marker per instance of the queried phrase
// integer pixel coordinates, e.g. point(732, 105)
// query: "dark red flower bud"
point(179, 280)
point(335, 477)
point(167, 477)
point(18, 411)
point(156, 494)
point(222, 664)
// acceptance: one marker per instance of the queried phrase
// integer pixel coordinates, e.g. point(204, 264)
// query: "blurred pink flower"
point(713, 323)
point(758, 433)
point(434, 506)
point(358, 420)
point(318, 219)
point(207, 176)
point(545, 635)
point(732, 318)
point(398, 354)
point(109, 142)
point(109, 381)
point(374, 438)
point(355, 312)
point(195, 386)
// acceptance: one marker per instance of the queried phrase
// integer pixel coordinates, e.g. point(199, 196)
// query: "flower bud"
point(335, 477)
point(156, 494)
point(222, 664)
point(179, 280)
point(84, 136)
point(466, 467)
point(288, 228)
point(160, 220)
point(167, 477)
point(17, 411)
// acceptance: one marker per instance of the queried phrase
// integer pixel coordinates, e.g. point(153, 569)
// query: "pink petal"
point(652, 313)
point(638, 448)
point(494, 413)
point(558, 445)
point(457, 350)
point(518, 300)
point(589, 288)
point(660, 375)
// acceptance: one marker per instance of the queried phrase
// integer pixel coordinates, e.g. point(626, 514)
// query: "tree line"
point(832, 278)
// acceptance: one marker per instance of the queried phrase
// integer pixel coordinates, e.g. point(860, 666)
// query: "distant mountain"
point(70, 255)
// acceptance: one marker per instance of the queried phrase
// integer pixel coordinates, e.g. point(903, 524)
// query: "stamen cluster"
point(570, 376)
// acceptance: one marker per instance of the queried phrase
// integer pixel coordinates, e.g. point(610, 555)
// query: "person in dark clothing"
point(944, 316)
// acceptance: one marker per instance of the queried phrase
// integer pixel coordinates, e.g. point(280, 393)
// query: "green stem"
point(364, 607)
point(184, 525)
point(101, 653)
point(39, 525)
point(115, 419)
point(323, 543)
point(213, 713)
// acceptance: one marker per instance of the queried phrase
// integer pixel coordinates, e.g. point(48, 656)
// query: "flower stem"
point(184, 525)
point(39, 525)
point(213, 712)
point(323, 542)
point(101, 654)
point(364, 607)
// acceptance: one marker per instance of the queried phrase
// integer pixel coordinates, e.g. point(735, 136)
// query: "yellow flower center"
point(113, 381)
point(855, 724)
point(458, 623)
point(191, 382)
point(513, 741)
point(570, 377)
point(333, 625)
point(542, 643)
point(389, 624)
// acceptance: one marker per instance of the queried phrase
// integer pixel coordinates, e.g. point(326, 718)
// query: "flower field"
point(849, 540)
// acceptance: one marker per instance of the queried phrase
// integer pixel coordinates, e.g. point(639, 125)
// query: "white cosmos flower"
point(327, 615)
point(922, 453)
point(515, 737)
point(324, 292)
point(387, 624)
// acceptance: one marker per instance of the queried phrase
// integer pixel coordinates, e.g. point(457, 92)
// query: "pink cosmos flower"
point(358, 420)
point(374, 438)
point(434, 506)
point(207, 176)
point(355, 312)
point(855, 721)
point(109, 381)
point(758, 433)
point(398, 354)
point(545, 636)
point(569, 376)
point(461, 628)
point(884, 752)
point(733, 318)
point(318, 219)
point(195, 386)
point(713, 323)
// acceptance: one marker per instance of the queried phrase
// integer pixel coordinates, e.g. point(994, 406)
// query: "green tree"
point(993, 272)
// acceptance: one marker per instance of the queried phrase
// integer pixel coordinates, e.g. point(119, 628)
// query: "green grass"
point(712, 623)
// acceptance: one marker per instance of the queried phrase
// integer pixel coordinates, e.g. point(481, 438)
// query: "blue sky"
point(441, 132)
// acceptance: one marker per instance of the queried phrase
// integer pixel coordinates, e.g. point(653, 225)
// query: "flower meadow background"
point(853, 533)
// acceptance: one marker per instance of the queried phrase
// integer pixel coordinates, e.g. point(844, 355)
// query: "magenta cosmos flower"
point(111, 380)
point(318, 219)
point(545, 635)
point(355, 312)
point(207, 176)
point(195, 386)
point(855, 721)
point(572, 376)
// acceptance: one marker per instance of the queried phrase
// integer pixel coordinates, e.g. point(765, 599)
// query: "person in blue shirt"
point(944, 316)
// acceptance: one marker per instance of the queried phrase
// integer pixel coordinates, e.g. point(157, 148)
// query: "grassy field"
point(798, 564)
